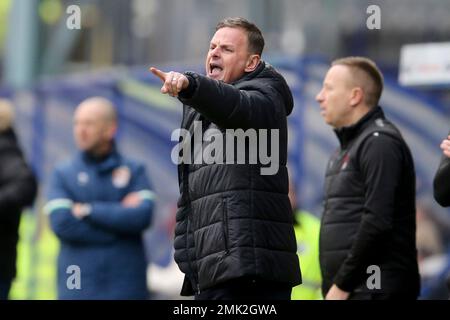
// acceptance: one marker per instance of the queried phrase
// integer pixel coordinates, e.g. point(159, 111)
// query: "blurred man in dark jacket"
point(18, 189)
point(441, 183)
point(234, 237)
point(367, 237)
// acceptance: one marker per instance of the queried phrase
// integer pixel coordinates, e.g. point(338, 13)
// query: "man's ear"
point(357, 96)
point(252, 62)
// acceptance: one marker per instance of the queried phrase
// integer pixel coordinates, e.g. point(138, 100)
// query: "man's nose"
point(319, 97)
point(215, 52)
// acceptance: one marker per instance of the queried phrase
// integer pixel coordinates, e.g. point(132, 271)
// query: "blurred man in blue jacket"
point(99, 204)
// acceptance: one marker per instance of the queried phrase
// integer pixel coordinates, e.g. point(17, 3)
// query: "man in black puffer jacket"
point(17, 189)
point(367, 237)
point(234, 236)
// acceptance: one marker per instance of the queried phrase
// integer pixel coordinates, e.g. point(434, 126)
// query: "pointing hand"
point(173, 82)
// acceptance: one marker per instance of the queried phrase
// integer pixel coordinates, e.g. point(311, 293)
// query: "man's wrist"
point(83, 210)
point(192, 86)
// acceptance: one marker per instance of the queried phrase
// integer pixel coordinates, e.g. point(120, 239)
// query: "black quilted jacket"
point(17, 190)
point(233, 221)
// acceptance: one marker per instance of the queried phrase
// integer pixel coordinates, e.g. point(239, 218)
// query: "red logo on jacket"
point(345, 161)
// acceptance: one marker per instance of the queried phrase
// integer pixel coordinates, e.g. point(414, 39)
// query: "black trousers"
point(247, 289)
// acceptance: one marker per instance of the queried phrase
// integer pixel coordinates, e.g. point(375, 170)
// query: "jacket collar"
point(8, 136)
point(105, 163)
point(265, 70)
point(347, 134)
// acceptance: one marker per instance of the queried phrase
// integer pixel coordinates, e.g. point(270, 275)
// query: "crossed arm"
point(98, 221)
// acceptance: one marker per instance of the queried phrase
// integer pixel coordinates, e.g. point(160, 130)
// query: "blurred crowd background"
point(46, 69)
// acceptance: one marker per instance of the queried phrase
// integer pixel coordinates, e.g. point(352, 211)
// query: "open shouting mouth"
point(215, 70)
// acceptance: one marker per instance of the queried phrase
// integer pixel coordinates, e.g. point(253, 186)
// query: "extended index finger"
point(158, 73)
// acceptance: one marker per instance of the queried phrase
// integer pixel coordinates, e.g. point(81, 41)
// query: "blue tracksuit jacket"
point(101, 255)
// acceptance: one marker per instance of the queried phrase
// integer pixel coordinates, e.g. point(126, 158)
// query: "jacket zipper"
point(225, 224)
point(197, 285)
point(186, 190)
